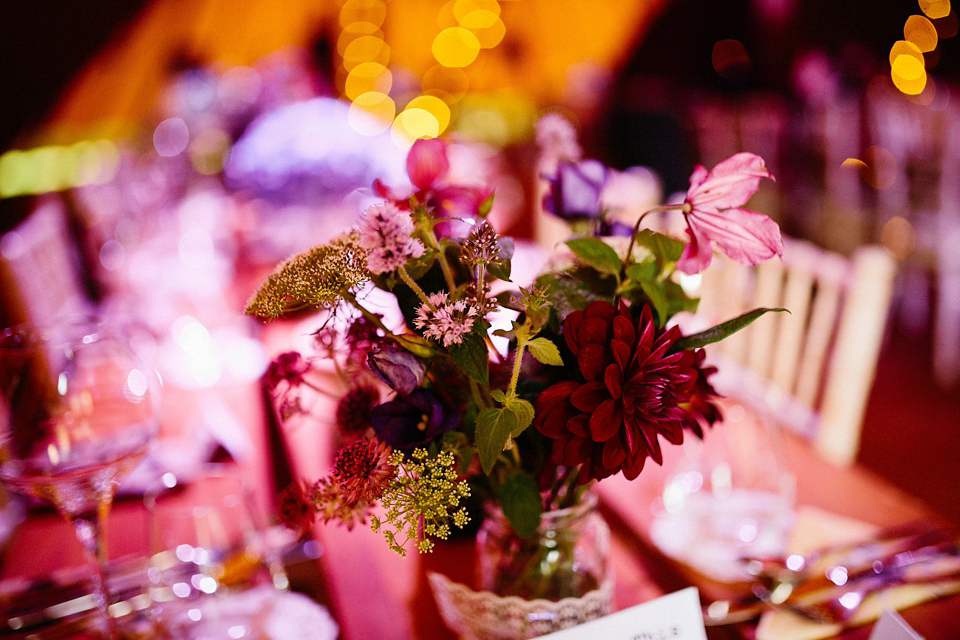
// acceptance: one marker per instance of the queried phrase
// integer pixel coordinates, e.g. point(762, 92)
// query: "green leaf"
point(494, 427)
point(499, 270)
point(519, 499)
point(545, 352)
point(670, 249)
point(658, 299)
point(524, 411)
point(639, 271)
point(499, 396)
point(470, 356)
point(485, 206)
point(596, 253)
point(721, 331)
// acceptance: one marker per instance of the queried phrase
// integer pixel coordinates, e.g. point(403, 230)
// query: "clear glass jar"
point(567, 557)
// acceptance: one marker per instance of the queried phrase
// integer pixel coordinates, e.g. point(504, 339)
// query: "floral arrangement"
point(595, 373)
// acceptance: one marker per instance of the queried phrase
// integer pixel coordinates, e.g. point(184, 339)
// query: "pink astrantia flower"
point(448, 321)
point(385, 231)
point(716, 218)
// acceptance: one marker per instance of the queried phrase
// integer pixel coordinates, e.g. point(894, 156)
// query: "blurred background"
point(156, 150)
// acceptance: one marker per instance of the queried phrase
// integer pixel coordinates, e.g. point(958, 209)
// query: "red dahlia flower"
point(629, 391)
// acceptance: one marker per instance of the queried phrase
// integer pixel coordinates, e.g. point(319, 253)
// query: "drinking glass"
point(77, 409)
point(211, 576)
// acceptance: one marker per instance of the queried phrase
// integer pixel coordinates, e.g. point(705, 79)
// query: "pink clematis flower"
point(427, 168)
point(716, 216)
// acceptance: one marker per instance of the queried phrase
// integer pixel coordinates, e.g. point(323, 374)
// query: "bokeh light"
point(370, 11)
point(921, 32)
point(491, 36)
point(879, 168)
point(436, 107)
point(371, 113)
point(905, 48)
point(935, 9)
point(171, 137)
point(366, 49)
point(455, 47)
point(908, 74)
point(898, 237)
point(729, 58)
point(208, 151)
point(53, 168)
point(449, 84)
point(411, 124)
point(462, 9)
point(367, 77)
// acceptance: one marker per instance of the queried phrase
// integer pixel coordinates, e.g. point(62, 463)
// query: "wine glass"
point(77, 409)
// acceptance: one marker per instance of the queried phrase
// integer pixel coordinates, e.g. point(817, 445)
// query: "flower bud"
point(397, 367)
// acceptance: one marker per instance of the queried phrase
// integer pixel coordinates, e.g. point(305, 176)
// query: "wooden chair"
point(812, 367)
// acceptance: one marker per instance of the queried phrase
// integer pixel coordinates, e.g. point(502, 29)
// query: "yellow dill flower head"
point(318, 277)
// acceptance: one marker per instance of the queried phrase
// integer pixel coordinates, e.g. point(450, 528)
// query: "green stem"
point(515, 376)
point(685, 207)
point(410, 282)
point(442, 259)
point(372, 317)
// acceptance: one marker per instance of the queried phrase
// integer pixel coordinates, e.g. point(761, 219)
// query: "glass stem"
point(90, 526)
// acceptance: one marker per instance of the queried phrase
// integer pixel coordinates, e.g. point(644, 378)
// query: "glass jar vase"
point(557, 578)
point(567, 557)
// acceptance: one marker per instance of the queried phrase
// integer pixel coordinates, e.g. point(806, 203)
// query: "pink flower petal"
point(427, 162)
point(729, 184)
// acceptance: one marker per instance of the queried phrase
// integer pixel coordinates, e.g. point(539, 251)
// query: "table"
point(380, 595)
point(374, 593)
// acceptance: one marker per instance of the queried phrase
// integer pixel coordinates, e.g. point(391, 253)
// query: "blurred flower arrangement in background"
point(593, 374)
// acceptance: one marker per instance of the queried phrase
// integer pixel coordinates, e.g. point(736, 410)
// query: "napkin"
point(816, 528)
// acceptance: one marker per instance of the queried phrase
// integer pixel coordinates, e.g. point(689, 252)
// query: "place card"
point(676, 616)
point(891, 626)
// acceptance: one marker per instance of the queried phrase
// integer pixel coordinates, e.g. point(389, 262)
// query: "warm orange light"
point(372, 11)
point(921, 32)
point(411, 124)
point(449, 84)
point(366, 49)
point(371, 113)
point(463, 8)
point(436, 107)
point(935, 8)
point(905, 48)
point(365, 77)
point(491, 36)
point(908, 74)
point(455, 47)
point(898, 237)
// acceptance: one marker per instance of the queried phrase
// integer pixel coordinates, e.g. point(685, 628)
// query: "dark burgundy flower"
point(629, 391)
point(397, 367)
point(355, 408)
point(290, 367)
point(412, 421)
point(296, 512)
point(363, 470)
point(575, 189)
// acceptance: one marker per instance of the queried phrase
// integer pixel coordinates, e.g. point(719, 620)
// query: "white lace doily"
point(482, 615)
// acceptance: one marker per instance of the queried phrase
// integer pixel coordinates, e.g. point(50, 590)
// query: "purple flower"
point(412, 421)
point(575, 189)
point(397, 367)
